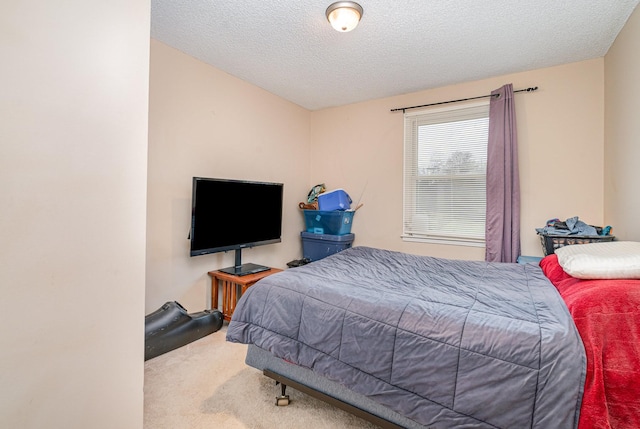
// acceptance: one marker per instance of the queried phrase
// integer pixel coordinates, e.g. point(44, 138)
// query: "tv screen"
point(234, 214)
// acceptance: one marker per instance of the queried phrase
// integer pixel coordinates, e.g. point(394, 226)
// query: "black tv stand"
point(244, 269)
point(240, 269)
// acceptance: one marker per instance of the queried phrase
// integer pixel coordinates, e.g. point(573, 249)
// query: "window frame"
point(411, 177)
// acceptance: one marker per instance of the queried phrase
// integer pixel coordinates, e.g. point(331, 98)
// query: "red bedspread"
point(607, 315)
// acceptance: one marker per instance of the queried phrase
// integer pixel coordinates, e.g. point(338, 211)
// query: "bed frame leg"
point(379, 421)
point(283, 399)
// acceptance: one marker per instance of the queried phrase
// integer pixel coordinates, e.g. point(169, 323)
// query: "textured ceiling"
point(289, 49)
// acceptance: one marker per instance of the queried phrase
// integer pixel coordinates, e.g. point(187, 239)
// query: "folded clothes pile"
point(572, 226)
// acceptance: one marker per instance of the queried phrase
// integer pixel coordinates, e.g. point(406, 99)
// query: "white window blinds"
point(445, 174)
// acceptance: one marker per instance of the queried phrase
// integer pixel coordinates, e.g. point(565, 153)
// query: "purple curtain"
point(502, 234)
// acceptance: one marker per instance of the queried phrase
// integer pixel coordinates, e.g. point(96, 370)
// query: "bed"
point(417, 341)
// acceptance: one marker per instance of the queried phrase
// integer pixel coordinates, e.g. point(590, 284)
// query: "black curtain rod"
point(531, 89)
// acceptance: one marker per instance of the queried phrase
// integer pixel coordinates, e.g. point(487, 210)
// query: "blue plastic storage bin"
point(334, 200)
point(529, 259)
point(334, 222)
point(318, 246)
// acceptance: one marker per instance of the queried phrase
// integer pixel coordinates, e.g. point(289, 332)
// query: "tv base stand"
point(244, 269)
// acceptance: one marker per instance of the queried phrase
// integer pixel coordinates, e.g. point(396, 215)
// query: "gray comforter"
point(446, 343)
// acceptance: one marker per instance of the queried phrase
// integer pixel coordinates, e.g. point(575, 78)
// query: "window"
point(445, 175)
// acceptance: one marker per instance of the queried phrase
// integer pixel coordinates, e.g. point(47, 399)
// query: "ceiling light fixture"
point(344, 15)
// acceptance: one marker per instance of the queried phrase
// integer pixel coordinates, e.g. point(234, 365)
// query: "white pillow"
point(606, 260)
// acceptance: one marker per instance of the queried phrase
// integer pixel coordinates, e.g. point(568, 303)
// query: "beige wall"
point(560, 130)
point(203, 122)
point(622, 137)
point(73, 142)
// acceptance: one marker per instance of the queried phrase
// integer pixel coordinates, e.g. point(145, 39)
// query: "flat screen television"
point(234, 215)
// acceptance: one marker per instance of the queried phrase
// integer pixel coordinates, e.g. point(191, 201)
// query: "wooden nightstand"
point(231, 285)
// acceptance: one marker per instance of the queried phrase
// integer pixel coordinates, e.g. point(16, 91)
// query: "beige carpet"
point(206, 384)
